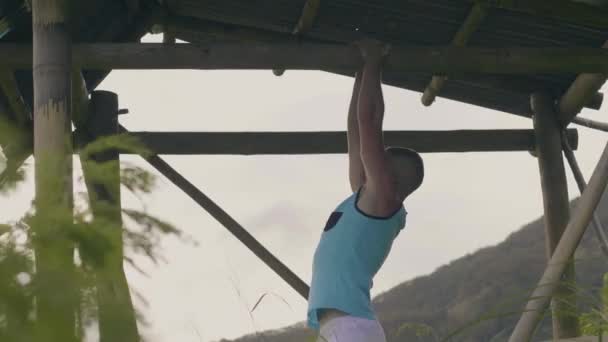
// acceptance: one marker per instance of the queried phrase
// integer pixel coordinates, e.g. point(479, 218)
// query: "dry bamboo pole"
point(598, 228)
point(117, 319)
point(55, 305)
point(600, 126)
point(556, 207)
point(563, 253)
point(229, 223)
point(321, 56)
point(582, 90)
point(472, 22)
point(307, 19)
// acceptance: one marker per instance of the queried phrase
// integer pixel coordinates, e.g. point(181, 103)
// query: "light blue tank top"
point(353, 247)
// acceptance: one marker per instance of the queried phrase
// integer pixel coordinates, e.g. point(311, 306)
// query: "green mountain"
point(476, 297)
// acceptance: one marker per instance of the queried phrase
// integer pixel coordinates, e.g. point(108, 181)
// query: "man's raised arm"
point(356, 172)
point(379, 178)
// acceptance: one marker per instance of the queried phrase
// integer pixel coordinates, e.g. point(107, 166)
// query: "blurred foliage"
point(89, 235)
point(595, 322)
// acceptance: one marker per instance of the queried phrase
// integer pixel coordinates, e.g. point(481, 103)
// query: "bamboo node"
point(52, 109)
point(49, 12)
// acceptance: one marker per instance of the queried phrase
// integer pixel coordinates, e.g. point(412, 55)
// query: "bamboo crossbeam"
point(273, 143)
point(229, 223)
point(550, 279)
point(311, 56)
point(581, 92)
point(474, 19)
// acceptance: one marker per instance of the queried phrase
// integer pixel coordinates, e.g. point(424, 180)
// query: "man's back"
point(353, 247)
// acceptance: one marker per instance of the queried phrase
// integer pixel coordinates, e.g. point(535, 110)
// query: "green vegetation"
point(88, 230)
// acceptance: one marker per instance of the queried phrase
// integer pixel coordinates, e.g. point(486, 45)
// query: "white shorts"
point(351, 329)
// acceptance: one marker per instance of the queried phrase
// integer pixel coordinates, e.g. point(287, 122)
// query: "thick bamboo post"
point(564, 251)
point(556, 207)
point(117, 321)
point(52, 148)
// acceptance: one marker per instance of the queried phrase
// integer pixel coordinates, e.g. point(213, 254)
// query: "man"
point(359, 234)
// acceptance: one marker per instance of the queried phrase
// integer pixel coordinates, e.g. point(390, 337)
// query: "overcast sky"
point(204, 292)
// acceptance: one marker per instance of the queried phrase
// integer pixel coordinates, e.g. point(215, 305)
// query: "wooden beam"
point(54, 253)
point(278, 143)
point(551, 278)
point(472, 22)
point(309, 56)
point(581, 92)
point(229, 223)
point(556, 208)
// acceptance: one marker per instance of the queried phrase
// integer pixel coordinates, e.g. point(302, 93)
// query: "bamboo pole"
point(317, 56)
point(254, 143)
point(229, 223)
point(556, 208)
point(472, 22)
point(600, 126)
point(117, 321)
point(582, 90)
point(598, 228)
point(307, 19)
point(563, 253)
point(52, 148)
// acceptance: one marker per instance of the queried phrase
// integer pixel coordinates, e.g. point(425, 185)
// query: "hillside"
point(488, 283)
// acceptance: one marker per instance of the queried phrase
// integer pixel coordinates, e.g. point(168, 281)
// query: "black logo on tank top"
point(333, 220)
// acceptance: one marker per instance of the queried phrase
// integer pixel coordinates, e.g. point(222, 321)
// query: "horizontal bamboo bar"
point(310, 56)
point(278, 143)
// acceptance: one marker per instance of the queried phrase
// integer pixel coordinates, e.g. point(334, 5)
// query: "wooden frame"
point(309, 56)
point(278, 143)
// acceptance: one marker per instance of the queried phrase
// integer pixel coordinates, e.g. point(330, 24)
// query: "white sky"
point(203, 293)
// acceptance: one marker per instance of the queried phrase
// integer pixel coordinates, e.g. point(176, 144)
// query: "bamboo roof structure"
point(414, 23)
point(541, 57)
